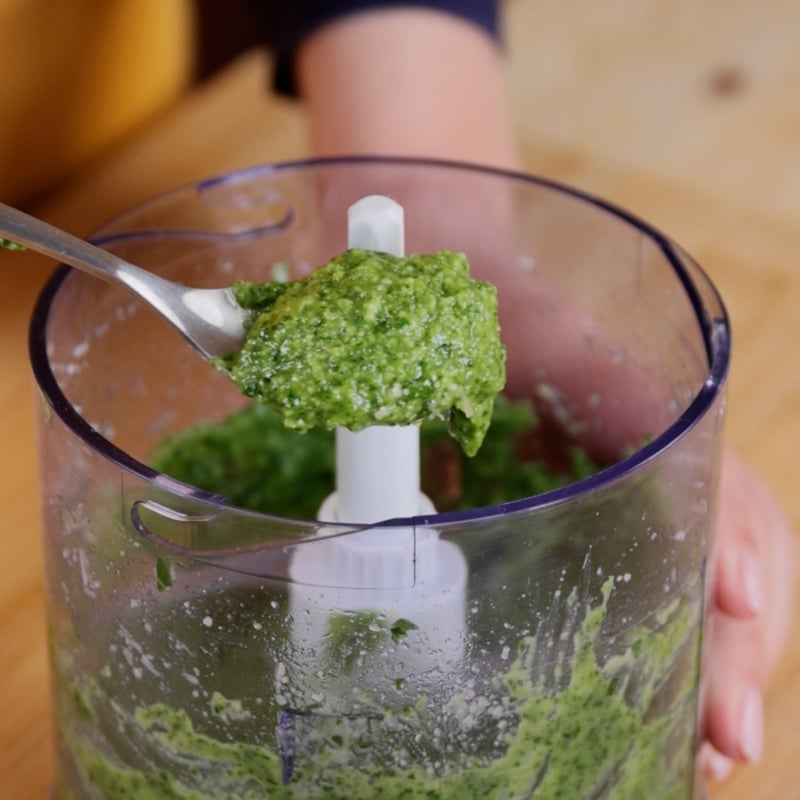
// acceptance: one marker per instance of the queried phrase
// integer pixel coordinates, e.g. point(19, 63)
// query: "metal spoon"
point(210, 320)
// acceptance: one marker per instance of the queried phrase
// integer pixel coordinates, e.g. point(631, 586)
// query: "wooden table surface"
point(686, 112)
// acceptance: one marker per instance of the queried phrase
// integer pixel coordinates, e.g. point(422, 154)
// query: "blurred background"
point(686, 113)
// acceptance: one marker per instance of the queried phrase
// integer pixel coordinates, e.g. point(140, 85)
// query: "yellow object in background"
point(77, 75)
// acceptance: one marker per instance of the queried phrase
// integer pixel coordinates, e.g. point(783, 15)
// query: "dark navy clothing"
point(287, 22)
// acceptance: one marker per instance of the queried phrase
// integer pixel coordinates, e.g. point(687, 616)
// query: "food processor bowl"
point(191, 659)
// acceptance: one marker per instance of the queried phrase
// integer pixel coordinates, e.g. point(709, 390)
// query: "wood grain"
point(685, 112)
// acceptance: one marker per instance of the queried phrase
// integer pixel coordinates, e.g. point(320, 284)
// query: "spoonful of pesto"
point(367, 339)
point(374, 339)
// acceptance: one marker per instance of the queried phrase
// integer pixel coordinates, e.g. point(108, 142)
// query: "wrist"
point(406, 82)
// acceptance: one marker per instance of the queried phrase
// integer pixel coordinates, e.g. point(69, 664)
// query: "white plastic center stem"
point(400, 572)
point(377, 469)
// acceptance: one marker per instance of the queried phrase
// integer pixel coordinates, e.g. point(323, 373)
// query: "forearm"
point(407, 81)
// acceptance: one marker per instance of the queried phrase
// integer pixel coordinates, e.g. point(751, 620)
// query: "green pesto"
point(229, 457)
point(352, 636)
point(227, 709)
point(363, 627)
point(372, 339)
point(617, 726)
point(252, 460)
point(163, 573)
point(585, 739)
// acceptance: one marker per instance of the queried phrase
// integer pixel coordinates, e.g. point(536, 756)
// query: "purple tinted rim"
point(715, 331)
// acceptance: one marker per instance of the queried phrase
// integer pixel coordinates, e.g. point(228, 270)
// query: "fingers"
point(755, 574)
point(756, 564)
point(736, 677)
point(739, 571)
point(713, 764)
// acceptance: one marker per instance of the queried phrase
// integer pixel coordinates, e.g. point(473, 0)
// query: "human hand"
point(755, 579)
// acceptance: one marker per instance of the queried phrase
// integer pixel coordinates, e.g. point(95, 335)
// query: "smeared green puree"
point(372, 339)
point(583, 740)
point(231, 456)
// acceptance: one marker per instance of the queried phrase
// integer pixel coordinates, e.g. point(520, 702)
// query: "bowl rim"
point(715, 329)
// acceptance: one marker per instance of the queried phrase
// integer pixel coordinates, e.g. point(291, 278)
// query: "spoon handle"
point(209, 319)
point(51, 241)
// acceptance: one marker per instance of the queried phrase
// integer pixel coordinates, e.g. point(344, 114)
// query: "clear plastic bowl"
point(564, 660)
